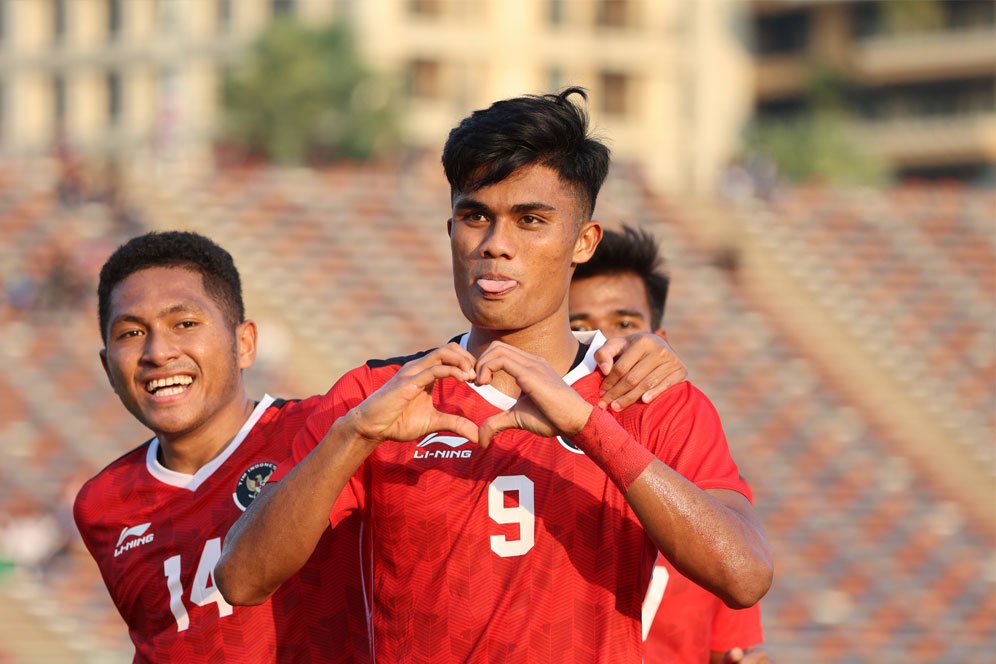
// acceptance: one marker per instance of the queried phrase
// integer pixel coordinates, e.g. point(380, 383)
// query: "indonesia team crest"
point(251, 482)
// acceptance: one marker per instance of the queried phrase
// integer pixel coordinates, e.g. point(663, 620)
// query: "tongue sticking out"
point(495, 286)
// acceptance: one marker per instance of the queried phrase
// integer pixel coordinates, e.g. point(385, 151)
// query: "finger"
point(733, 656)
point(611, 349)
point(495, 425)
point(667, 382)
point(514, 364)
point(451, 354)
point(428, 376)
point(631, 386)
point(461, 426)
point(621, 366)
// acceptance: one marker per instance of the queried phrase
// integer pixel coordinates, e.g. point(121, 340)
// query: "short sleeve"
point(686, 433)
point(732, 628)
point(349, 391)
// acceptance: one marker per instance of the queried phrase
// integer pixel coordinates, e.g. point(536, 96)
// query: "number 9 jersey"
point(156, 535)
point(524, 551)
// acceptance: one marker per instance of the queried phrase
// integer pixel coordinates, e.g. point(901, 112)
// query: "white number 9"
point(524, 514)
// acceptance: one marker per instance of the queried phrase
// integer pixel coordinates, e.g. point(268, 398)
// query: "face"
point(513, 247)
point(171, 356)
point(616, 304)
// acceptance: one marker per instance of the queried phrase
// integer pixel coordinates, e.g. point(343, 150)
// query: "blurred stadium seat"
point(875, 562)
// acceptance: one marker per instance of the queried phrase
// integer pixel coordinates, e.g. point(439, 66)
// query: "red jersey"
point(522, 552)
point(683, 622)
point(156, 535)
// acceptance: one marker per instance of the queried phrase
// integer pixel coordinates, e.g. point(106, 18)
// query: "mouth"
point(170, 386)
point(496, 285)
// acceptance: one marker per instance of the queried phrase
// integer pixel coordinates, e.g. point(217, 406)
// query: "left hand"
point(547, 407)
point(637, 368)
point(749, 656)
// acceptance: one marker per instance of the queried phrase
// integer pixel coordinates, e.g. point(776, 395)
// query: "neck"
point(551, 339)
point(190, 451)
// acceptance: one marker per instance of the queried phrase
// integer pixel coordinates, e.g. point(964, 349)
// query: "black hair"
point(189, 251)
point(631, 251)
point(490, 144)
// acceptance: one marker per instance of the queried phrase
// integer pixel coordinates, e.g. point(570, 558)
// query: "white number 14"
point(203, 590)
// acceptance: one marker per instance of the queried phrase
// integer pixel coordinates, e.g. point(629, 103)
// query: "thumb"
point(495, 425)
point(461, 426)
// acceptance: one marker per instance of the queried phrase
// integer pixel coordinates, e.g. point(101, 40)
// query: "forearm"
point(703, 534)
point(279, 531)
point(713, 540)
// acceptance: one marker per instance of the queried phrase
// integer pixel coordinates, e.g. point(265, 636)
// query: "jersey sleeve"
point(732, 628)
point(348, 392)
point(684, 431)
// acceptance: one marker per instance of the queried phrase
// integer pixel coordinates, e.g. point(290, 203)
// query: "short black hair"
point(182, 249)
point(631, 251)
point(490, 144)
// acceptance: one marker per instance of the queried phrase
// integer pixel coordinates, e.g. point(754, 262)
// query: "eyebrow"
point(178, 308)
point(472, 204)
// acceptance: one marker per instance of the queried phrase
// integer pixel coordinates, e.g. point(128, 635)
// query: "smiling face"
point(513, 246)
point(616, 304)
point(172, 356)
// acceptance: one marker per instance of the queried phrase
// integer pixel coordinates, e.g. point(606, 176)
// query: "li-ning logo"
point(137, 532)
point(449, 441)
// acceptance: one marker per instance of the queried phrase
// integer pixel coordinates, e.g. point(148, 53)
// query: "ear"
point(449, 227)
point(588, 239)
point(661, 332)
point(107, 371)
point(245, 337)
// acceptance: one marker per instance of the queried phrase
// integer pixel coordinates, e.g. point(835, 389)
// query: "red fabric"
point(618, 454)
point(460, 570)
point(690, 622)
point(316, 616)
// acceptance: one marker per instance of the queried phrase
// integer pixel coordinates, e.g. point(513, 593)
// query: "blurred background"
point(820, 174)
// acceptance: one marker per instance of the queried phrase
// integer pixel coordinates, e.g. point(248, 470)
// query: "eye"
point(530, 220)
point(128, 334)
point(625, 324)
point(187, 324)
point(578, 326)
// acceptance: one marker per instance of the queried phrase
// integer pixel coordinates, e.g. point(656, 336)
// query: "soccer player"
point(509, 517)
point(175, 344)
point(621, 290)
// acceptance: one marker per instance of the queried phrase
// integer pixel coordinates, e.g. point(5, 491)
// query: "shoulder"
point(99, 489)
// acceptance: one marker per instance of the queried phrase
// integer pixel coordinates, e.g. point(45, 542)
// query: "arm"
point(278, 533)
point(713, 537)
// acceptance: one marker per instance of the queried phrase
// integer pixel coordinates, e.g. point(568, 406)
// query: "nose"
point(499, 242)
point(159, 349)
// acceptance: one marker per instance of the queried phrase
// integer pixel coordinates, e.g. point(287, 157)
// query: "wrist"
point(354, 434)
point(578, 420)
point(615, 451)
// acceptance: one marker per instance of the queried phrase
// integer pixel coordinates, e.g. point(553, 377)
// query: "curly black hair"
point(182, 249)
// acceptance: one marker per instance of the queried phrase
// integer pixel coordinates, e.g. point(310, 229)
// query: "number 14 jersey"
point(156, 535)
point(522, 552)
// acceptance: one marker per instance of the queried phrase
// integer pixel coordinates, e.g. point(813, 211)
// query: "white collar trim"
point(498, 399)
point(193, 482)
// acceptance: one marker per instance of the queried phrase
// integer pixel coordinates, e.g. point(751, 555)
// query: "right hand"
point(402, 408)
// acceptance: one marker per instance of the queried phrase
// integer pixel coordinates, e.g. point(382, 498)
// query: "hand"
point(749, 656)
point(402, 408)
point(637, 368)
point(547, 407)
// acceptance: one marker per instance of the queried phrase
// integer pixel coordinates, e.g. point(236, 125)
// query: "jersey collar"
point(192, 482)
point(595, 339)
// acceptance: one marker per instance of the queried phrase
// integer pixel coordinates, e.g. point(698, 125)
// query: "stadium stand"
point(875, 562)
